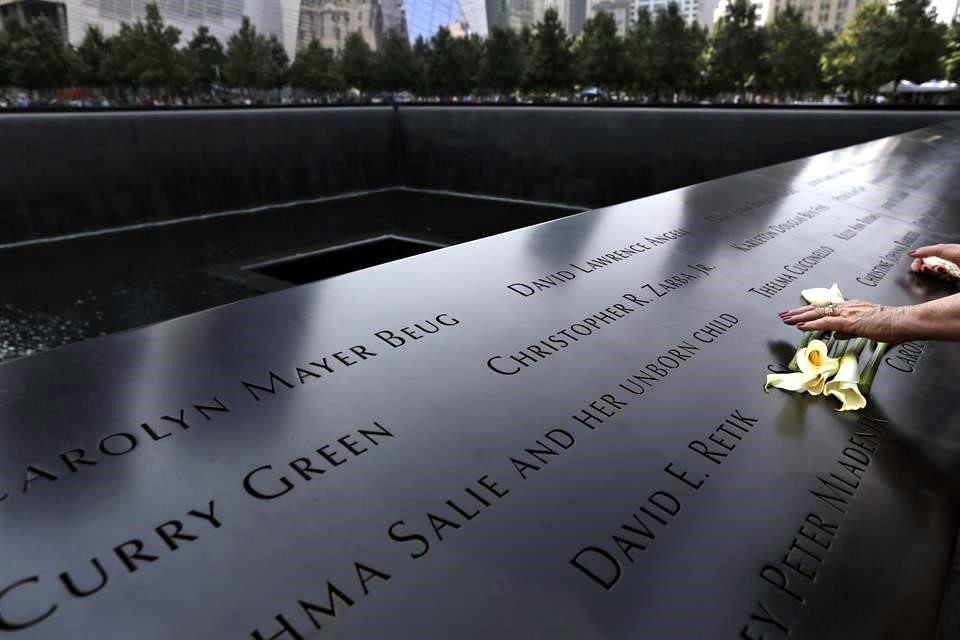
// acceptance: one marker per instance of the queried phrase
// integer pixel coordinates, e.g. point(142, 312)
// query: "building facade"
point(518, 14)
point(826, 15)
point(23, 11)
point(394, 18)
point(331, 21)
point(689, 9)
point(621, 10)
point(222, 17)
point(297, 22)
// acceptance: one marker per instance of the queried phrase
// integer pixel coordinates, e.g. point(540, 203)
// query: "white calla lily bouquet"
point(826, 366)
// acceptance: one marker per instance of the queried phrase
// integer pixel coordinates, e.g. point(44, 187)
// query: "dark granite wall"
point(597, 157)
point(74, 172)
point(65, 173)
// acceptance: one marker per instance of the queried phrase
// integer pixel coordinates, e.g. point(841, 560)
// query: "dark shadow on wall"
point(68, 173)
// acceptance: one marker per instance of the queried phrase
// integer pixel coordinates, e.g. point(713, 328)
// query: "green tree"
point(154, 61)
point(356, 62)
point(600, 53)
point(859, 60)
point(37, 57)
point(675, 53)
point(551, 61)
point(698, 36)
point(951, 61)
point(205, 58)
point(639, 51)
point(421, 55)
point(94, 59)
point(5, 69)
point(120, 50)
point(279, 62)
point(393, 68)
point(453, 63)
point(470, 53)
point(316, 69)
point(442, 68)
point(503, 61)
point(793, 53)
point(735, 49)
point(526, 47)
point(251, 61)
point(916, 42)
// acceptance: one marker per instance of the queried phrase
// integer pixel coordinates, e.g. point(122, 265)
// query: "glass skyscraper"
point(424, 17)
point(297, 22)
point(223, 17)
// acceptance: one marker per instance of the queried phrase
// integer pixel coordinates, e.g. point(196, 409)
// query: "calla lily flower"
point(815, 368)
point(815, 387)
point(844, 385)
point(798, 381)
point(814, 358)
point(822, 296)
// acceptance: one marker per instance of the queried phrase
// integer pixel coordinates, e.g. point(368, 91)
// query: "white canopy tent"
point(931, 86)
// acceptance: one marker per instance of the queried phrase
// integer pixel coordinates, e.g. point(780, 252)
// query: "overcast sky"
point(945, 9)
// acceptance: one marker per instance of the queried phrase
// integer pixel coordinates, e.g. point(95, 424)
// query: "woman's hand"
point(949, 252)
point(854, 318)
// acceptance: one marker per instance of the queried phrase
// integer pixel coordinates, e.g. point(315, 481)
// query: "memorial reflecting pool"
point(62, 292)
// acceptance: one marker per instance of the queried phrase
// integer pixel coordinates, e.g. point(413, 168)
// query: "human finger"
point(827, 323)
point(797, 310)
point(935, 271)
point(806, 316)
point(929, 250)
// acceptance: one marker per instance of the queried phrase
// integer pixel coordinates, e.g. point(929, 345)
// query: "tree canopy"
point(315, 68)
point(735, 49)
point(36, 56)
point(916, 41)
point(859, 59)
point(356, 62)
point(393, 65)
point(205, 59)
point(660, 58)
point(793, 53)
point(551, 61)
point(251, 60)
point(638, 63)
point(504, 62)
point(453, 64)
point(600, 53)
point(951, 61)
point(675, 52)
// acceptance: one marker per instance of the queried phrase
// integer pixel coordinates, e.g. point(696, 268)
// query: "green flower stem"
point(830, 343)
point(856, 347)
point(866, 378)
point(808, 337)
point(840, 348)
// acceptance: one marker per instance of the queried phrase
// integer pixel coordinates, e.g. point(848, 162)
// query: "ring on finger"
point(829, 309)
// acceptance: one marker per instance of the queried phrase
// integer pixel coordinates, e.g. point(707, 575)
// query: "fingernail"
point(912, 252)
point(802, 326)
